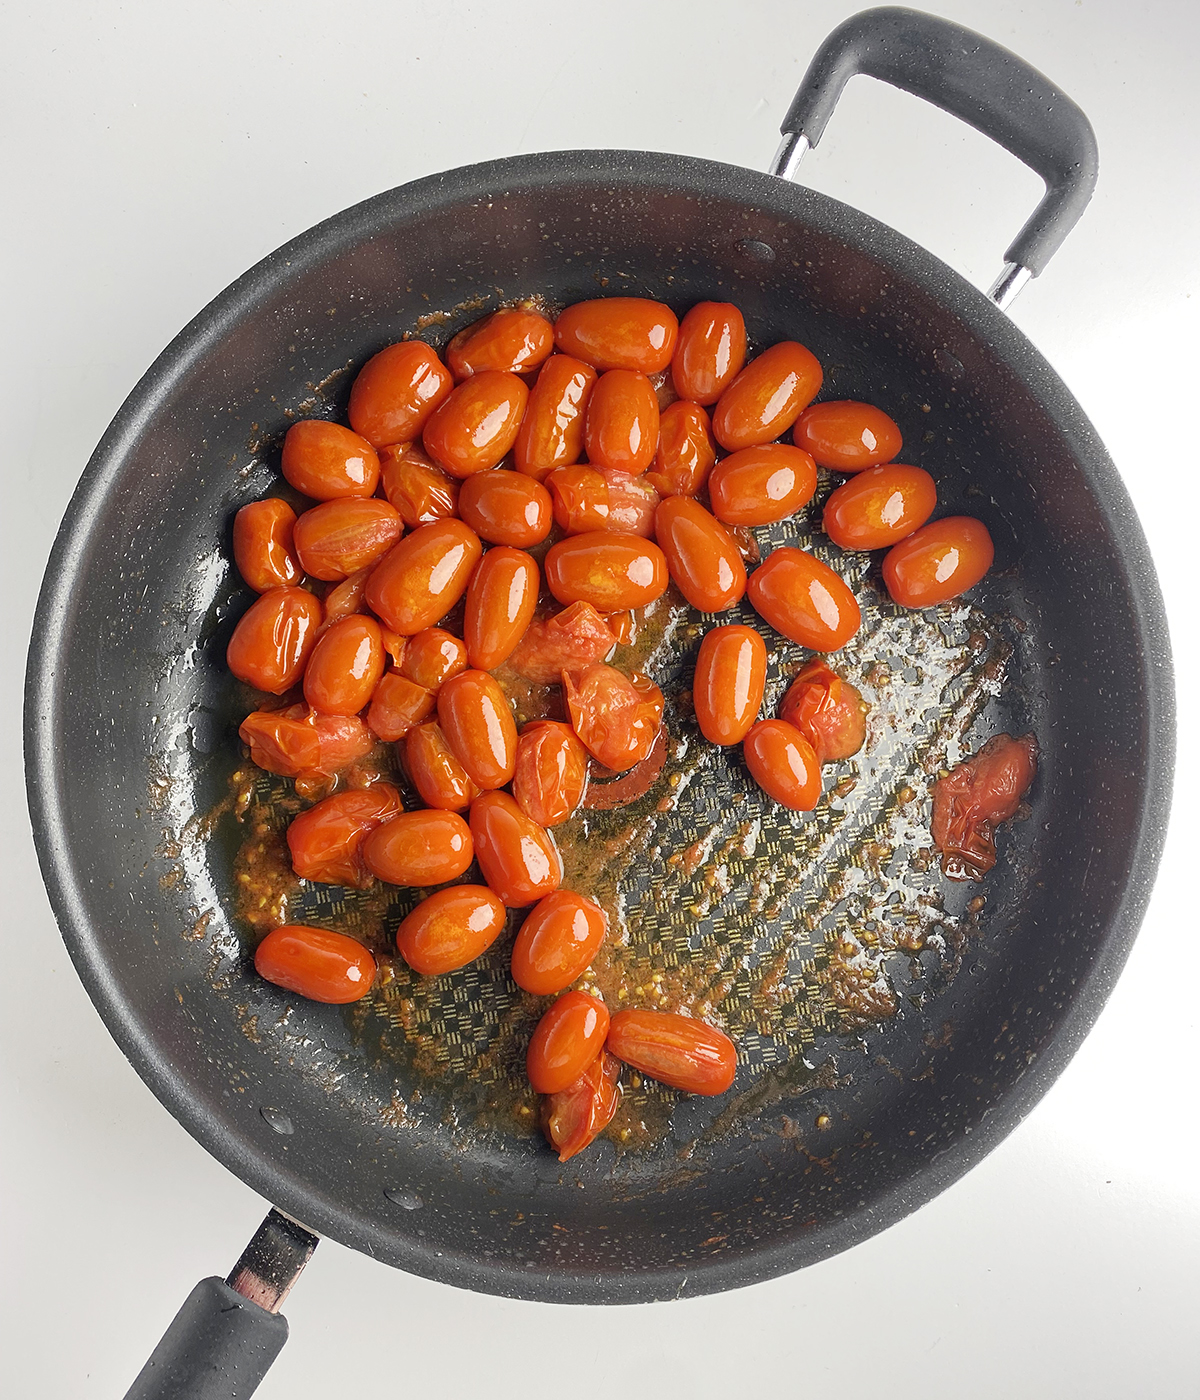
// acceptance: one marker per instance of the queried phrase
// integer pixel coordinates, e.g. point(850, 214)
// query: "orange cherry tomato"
point(420, 579)
point(396, 391)
point(880, 506)
point(436, 774)
point(328, 462)
point(518, 858)
point(804, 599)
point(315, 963)
point(621, 429)
point(565, 1041)
point(479, 727)
point(675, 1050)
point(590, 498)
point(427, 847)
point(759, 485)
point(781, 761)
point(450, 929)
point(420, 491)
point(505, 507)
point(975, 797)
point(557, 942)
point(551, 433)
point(703, 557)
point(617, 717)
point(827, 710)
point(938, 562)
point(767, 396)
point(731, 674)
point(847, 436)
point(500, 604)
point(432, 657)
point(686, 451)
point(338, 538)
point(397, 705)
point(510, 339)
point(550, 773)
point(326, 841)
point(567, 640)
point(573, 1117)
point(345, 666)
point(262, 544)
point(611, 569)
point(477, 424)
point(710, 353)
point(271, 644)
point(619, 333)
point(345, 599)
point(297, 741)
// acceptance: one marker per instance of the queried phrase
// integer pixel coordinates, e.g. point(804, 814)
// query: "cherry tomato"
point(767, 396)
point(297, 741)
point(396, 391)
point(879, 507)
point(781, 761)
point(557, 942)
point(505, 507)
point(479, 727)
point(759, 485)
point(271, 644)
point(338, 538)
point(565, 1041)
point(573, 1117)
point(575, 637)
point(704, 560)
point(621, 429)
point(420, 579)
point(589, 498)
point(345, 666)
point(436, 774)
point(731, 674)
point(420, 491)
point(617, 717)
point(427, 847)
point(329, 462)
point(326, 840)
point(619, 333)
point(432, 657)
point(550, 773)
point(450, 929)
point(510, 339)
point(518, 858)
point(397, 705)
point(938, 562)
point(676, 1050)
point(477, 424)
point(974, 798)
point(710, 353)
point(262, 544)
point(685, 453)
point(315, 963)
point(345, 599)
point(611, 569)
point(804, 599)
point(847, 436)
point(551, 433)
point(500, 604)
point(827, 710)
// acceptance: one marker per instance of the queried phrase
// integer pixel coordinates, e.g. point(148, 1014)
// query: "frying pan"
point(372, 1126)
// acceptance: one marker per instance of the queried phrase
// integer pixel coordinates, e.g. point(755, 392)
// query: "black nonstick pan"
point(892, 1028)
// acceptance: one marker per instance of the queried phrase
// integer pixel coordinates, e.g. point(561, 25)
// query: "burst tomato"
point(710, 353)
point(781, 761)
point(420, 579)
point(479, 727)
point(703, 558)
point(271, 644)
point(731, 674)
point(589, 498)
point(477, 424)
point(436, 774)
point(847, 436)
point(326, 841)
point(621, 429)
point(432, 657)
point(611, 569)
point(617, 717)
point(804, 599)
point(345, 599)
point(565, 1041)
point(338, 538)
point(450, 929)
point(500, 604)
point(420, 491)
point(686, 451)
point(760, 485)
point(557, 942)
point(262, 544)
point(299, 742)
point(879, 507)
point(567, 640)
point(345, 666)
point(938, 562)
point(550, 773)
point(551, 433)
point(518, 858)
point(327, 462)
point(506, 507)
point(396, 391)
point(767, 396)
point(398, 705)
point(676, 1050)
point(827, 710)
point(619, 333)
point(315, 963)
point(510, 339)
point(573, 1117)
point(974, 798)
point(428, 847)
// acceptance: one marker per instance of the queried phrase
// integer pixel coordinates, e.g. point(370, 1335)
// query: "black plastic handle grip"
point(987, 86)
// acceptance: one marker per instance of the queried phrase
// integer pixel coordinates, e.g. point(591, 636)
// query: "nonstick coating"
point(131, 717)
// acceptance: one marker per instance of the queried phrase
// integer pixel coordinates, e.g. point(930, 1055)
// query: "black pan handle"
point(977, 80)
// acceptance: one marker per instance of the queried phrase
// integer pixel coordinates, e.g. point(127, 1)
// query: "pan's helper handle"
point(225, 1337)
point(987, 86)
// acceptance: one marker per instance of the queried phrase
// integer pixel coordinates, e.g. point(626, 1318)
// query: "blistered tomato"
point(617, 717)
point(420, 579)
point(767, 396)
point(676, 1050)
point(518, 858)
point(599, 498)
point(396, 706)
point(710, 353)
point(500, 604)
point(565, 1041)
point(396, 391)
point(338, 538)
point(938, 562)
point(326, 841)
point(345, 666)
point(573, 1117)
point(298, 742)
point(702, 556)
point(477, 424)
point(759, 485)
point(879, 507)
point(479, 727)
point(436, 774)
point(619, 333)
point(450, 929)
point(262, 544)
point(432, 657)
point(420, 491)
point(557, 942)
point(427, 847)
point(621, 429)
point(847, 436)
point(505, 507)
point(611, 569)
point(575, 637)
point(827, 710)
point(781, 761)
point(685, 453)
point(804, 599)
point(550, 773)
point(346, 598)
point(731, 674)
point(975, 797)
point(315, 963)
point(271, 644)
point(327, 462)
point(509, 339)
point(551, 433)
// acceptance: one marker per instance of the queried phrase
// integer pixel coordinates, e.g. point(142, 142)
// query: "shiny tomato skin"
point(610, 569)
point(432, 657)
point(263, 544)
point(450, 929)
point(760, 485)
point(419, 489)
point(782, 762)
point(609, 333)
point(478, 724)
point(702, 556)
point(315, 963)
point(710, 352)
point(550, 773)
point(519, 859)
point(686, 451)
point(326, 840)
point(557, 942)
point(511, 339)
point(328, 462)
point(598, 498)
point(731, 674)
point(880, 506)
point(395, 392)
point(273, 640)
point(338, 538)
point(564, 641)
point(767, 396)
point(506, 507)
point(436, 774)
point(565, 1041)
point(617, 717)
point(397, 706)
point(975, 797)
point(345, 666)
point(477, 424)
point(621, 428)
point(572, 1118)
point(345, 599)
point(426, 847)
point(677, 1050)
point(938, 562)
point(297, 741)
point(551, 433)
point(827, 710)
point(804, 599)
point(846, 436)
point(420, 579)
point(500, 605)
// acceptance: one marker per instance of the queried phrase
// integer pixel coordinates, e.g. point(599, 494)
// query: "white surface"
point(151, 153)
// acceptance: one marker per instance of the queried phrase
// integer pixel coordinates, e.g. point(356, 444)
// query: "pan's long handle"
point(975, 79)
point(223, 1340)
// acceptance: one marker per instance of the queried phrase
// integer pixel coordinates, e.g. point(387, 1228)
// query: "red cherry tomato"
point(479, 727)
point(879, 507)
point(974, 798)
point(731, 674)
point(398, 705)
point(345, 666)
point(781, 761)
point(436, 774)
point(827, 710)
point(427, 847)
point(477, 424)
point(619, 333)
point(298, 742)
point(500, 604)
point(686, 451)
point(566, 641)
point(617, 717)
point(510, 339)
point(432, 657)
point(315, 963)
point(804, 599)
point(938, 562)
point(420, 579)
point(396, 391)
point(676, 1050)
point(518, 858)
point(621, 429)
point(702, 556)
point(710, 353)
point(328, 462)
point(565, 1041)
point(262, 544)
point(590, 498)
point(326, 841)
point(611, 569)
point(420, 491)
point(450, 929)
point(759, 485)
point(271, 644)
point(847, 436)
point(550, 773)
point(573, 1117)
point(551, 433)
point(557, 943)
point(505, 507)
point(767, 396)
point(338, 538)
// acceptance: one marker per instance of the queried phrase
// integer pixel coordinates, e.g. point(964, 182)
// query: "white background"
point(151, 152)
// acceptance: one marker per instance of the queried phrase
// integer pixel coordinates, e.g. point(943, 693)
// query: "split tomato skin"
point(804, 599)
point(263, 544)
point(782, 762)
point(297, 742)
point(677, 1050)
point(565, 641)
point(686, 451)
point(975, 797)
point(477, 424)
point(557, 943)
point(397, 706)
point(847, 436)
point(621, 428)
point(478, 723)
point(273, 640)
point(450, 929)
point(433, 656)
point(551, 433)
point(396, 391)
point(338, 538)
point(827, 710)
point(767, 396)
point(435, 772)
point(565, 1041)
point(760, 485)
point(587, 498)
point(316, 963)
point(938, 562)
point(326, 840)
point(702, 556)
point(419, 490)
point(500, 604)
point(576, 1115)
point(550, 773)
point(731, 675)
point(710, 352)
point(628, 333)
point(617, 717)
point(880, 506)
point(420, 579)
point(610, 569)
point(512, 339)
point(518, 858)
point(345, 666)
point(508, 508)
